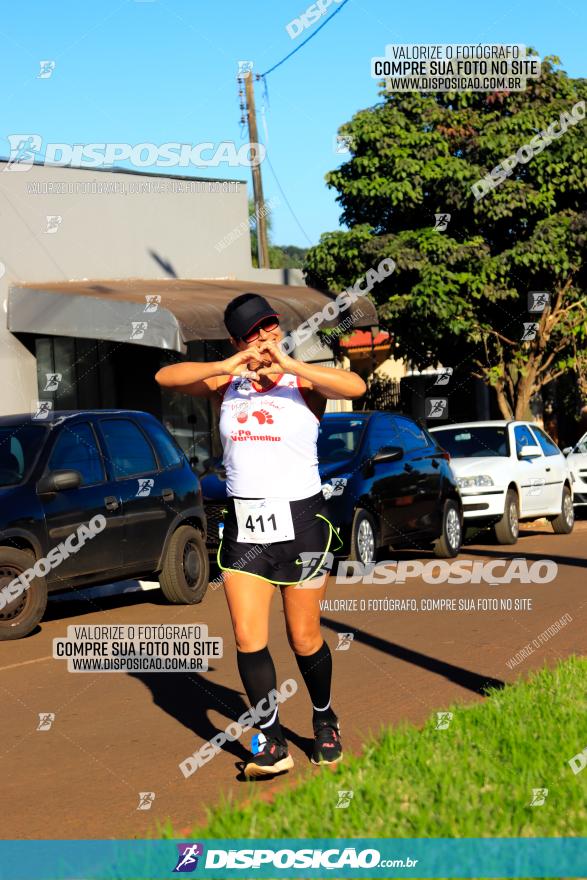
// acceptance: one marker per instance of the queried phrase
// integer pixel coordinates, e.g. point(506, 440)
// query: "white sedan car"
point(507, 472)
point(577, 462)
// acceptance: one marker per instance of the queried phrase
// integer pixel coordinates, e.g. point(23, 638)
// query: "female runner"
point(270, 407)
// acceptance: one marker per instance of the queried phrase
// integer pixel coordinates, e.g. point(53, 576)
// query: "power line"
point(291, 210)
point(262, 76)
point(307, 40)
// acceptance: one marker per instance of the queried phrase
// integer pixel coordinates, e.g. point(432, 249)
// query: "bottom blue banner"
point(375, 857)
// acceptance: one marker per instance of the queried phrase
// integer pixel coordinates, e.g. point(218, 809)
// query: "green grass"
point(474, 779)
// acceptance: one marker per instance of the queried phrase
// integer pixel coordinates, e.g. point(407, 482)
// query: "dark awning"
point(187, 311)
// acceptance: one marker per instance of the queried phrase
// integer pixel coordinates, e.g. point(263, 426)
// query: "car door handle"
point(111, 503)
point(168, 495)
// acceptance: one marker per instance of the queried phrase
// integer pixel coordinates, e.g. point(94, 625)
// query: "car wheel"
point(451, 538)
point(564, 522)
point(363, 540)
point(20, 617)
point(507, 529)
point(186, 568)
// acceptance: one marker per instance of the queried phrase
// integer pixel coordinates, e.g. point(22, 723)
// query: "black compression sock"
point(316, 671)
point(258, 676)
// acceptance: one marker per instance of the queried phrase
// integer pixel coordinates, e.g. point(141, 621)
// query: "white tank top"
point(269, 441)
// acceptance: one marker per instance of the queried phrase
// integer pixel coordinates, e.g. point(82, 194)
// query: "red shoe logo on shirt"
point(263, 417)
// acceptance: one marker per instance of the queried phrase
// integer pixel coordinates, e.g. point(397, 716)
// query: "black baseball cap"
point(245, 312)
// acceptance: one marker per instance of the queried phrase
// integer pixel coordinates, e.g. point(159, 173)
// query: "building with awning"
point(132, 276)
point(170, 313)
point(367, 350)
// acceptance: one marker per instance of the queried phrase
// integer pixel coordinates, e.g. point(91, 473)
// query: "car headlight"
point(472, 482)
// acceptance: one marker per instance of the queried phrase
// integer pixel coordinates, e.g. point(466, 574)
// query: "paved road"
point(116, 735)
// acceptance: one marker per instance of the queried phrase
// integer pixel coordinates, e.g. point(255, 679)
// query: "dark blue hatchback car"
point(119, 468)
point(387, 481)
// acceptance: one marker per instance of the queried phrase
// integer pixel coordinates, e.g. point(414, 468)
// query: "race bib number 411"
point(263, 520)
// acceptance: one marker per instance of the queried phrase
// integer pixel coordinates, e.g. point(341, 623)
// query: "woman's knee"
point(249, 638)
point(304, 640)
point(249, 603)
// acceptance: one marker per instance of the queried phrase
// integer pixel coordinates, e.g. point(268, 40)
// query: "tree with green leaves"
point(461, 296)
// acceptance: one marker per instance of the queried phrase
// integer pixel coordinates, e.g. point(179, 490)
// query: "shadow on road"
point(190, 698)
point(170, 692)
point(522, 554)
point(463, 677)
point(76, 606)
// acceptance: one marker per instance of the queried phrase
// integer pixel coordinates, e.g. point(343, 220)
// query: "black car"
point(74, 468)
point(387, 481)
point(390, 485)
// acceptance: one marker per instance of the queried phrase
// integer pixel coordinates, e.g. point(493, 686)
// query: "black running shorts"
point(283, 562)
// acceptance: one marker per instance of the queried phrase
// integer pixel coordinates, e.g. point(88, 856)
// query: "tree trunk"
point(525, 389)
point(503, 402)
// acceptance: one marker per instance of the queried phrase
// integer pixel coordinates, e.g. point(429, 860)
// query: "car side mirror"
point(530, 452)
point(388, 453)
point(58, 481)
point(567, 450)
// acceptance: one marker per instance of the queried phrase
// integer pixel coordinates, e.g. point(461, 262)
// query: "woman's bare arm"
point(204, 379)
point(200, 380)
point(333, 383)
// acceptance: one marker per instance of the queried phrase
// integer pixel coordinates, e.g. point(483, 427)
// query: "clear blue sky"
point(165, 70)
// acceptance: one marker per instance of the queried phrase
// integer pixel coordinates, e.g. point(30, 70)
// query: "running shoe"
point(327, 744)
point(270, 756)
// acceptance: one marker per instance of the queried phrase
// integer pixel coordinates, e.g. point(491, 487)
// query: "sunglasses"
point(268, 324)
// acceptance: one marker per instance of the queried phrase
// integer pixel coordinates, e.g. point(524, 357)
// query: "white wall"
point(391, 368)
point(106, 235)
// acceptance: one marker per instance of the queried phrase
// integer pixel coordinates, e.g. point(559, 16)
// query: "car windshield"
point(19, 445)
point(474, 442)
point(339, 439)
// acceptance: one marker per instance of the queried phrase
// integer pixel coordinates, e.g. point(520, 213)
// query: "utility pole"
point(262, 245)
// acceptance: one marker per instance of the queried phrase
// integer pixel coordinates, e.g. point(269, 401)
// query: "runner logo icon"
point(309, 559)
point(146, 799)
point(344, 800)
point(145, 486)
point(539, 796)
point(443, 720)
point(188, 856)
point(46, 719)
point(344, 641)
